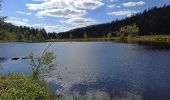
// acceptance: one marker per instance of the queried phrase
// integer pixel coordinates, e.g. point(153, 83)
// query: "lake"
point(108, 70)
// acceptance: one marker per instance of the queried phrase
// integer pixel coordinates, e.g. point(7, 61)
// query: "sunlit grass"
point(151, 38)
point(81, 39)
point(148, 38)
point(20, 87)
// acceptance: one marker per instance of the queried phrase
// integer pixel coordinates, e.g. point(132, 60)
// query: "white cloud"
point(70, 12)
point(131, 4)
point(60, 4)
point(56, 28)
point(14, 18)
point(113, 0)
point(123, 13)
point(25, 20)
point(48, 28)
point(62, 13)
point(65, 8)
point(118, 6)
point(111, 6)
point(38, 0)
point(88, 4)
point(24, 13)
point(16, 22)
point(52, 28)
point(80, 22)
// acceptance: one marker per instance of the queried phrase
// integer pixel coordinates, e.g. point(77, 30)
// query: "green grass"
point(147, 38)
point(81, 39)
point(20, 87)
point(150, 38)
point(3, 41)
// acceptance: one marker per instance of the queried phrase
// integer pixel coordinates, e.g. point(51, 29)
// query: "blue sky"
point(63, 15)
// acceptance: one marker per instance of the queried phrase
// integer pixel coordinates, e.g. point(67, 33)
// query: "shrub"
point(20, 87)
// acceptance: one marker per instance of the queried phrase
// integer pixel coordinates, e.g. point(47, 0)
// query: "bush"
point(20, 87)
point(40, 65)
point(129, 30)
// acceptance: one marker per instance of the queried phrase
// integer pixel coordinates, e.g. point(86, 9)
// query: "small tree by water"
point(1, 69)
point(41, 64)
point(109, 35)
point(71, 36)
point(85, 35)
point(129, 30)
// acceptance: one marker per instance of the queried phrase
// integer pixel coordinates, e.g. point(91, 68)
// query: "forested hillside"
point(155, 21)
point(11, 32)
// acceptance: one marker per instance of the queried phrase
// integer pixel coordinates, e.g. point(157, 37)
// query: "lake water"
point(117, 71)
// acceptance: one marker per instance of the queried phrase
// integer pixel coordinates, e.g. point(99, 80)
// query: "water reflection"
point(112, 87)
point(116, 71)
point(102, 90)
point(3, 59)
point(161, 46)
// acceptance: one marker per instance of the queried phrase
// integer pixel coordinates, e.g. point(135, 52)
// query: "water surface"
point(106, 69)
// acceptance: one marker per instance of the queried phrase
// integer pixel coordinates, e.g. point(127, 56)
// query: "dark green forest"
point(154, 21)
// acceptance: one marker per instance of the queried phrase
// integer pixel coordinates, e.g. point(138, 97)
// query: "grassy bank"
point(4, 41)
point(82, 39)
point(150, 38)
point(20, 87)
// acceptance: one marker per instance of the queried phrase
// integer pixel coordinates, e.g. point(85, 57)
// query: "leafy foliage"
point(131, 30)
point(41, 64)
point(20, 87)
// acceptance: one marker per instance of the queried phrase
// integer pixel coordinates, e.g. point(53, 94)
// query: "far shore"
point(129, 39)
point(147, 38)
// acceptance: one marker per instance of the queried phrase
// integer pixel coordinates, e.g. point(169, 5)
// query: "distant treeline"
point(154, 21)
point(9, 32)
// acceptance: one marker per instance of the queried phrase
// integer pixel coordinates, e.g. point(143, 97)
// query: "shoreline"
point(129, 39)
